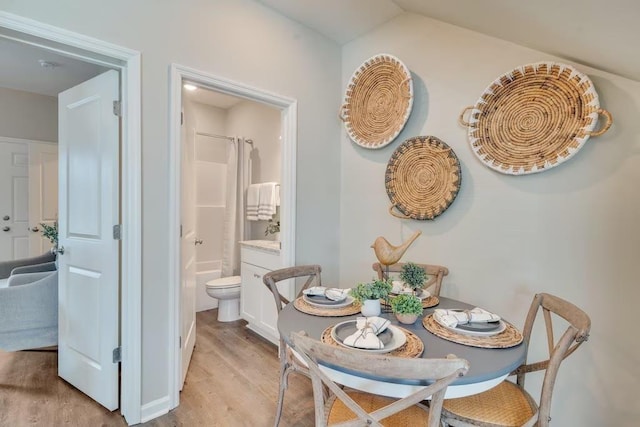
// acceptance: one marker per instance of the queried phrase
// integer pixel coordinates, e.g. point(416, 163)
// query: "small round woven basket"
point(422, 178)
point(378, 101)
point(534, 118)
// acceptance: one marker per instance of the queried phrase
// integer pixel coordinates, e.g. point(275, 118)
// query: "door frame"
point(289, 132)
point(128, 63)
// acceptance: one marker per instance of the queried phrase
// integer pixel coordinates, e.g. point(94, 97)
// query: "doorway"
point(288, 120)
point(127, 63)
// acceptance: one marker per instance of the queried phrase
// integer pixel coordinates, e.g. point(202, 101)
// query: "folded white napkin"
point(367, 334)
point(334, 294)
point(453, 318)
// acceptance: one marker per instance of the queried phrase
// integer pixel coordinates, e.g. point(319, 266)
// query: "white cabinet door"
point(252, 292)
point(43, 193)
point(89, 321)
point(14, 202)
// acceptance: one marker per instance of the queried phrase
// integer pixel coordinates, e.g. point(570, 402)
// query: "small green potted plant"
point(273, 227)
point(369, 295)
point(414, 276)
point(407, 308)
point(50, 232)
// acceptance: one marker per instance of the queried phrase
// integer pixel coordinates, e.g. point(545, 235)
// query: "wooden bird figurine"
point(388, 254)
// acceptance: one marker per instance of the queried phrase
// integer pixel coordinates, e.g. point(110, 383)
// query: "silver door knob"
point(59, 250)
point(35, 229)
point(198, 242)
point(6, 228)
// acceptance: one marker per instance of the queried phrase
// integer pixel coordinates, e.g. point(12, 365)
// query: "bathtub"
point(204, 301)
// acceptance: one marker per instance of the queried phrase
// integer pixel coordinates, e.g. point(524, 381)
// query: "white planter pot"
point(370, 307)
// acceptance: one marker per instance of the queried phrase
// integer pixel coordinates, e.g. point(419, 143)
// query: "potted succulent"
point(407, 308)
point(413, 275)
point(369, 295)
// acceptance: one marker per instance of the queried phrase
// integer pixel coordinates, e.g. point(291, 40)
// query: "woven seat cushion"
point(413, 416)
point(504, 405)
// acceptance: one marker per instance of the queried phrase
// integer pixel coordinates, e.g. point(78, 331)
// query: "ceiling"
point(600, 34)
point(21, 69)
point(211, 97)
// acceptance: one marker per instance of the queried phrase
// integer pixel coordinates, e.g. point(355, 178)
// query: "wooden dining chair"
point(435, 272)
point(289, 362)
point(508, 404)
point(344, 407)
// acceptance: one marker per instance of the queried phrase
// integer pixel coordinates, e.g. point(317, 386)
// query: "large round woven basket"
point(534, 118)
point(422, 178)
point(378, 101)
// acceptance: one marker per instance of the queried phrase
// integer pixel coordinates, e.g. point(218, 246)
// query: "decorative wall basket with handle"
point(534, 118)
point(422, 178)
point(378, 101)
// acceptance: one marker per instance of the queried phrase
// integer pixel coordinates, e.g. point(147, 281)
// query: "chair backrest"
point(436, 273)
point(439, 373)
point(271, 279)
point(576, 333)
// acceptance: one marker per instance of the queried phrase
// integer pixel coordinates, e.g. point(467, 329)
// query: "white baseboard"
point(154, 409)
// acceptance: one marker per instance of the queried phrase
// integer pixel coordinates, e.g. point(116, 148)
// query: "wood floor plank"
point(232, 382)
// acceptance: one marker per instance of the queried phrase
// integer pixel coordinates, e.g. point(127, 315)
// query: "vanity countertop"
point(267, 245)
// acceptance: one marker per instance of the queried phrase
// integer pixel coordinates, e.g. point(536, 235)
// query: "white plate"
point(347, 302)
point(423, 295)
point(479, 333)
point(348, 327)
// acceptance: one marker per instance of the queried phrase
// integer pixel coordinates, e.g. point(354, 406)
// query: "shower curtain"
point(234, 213)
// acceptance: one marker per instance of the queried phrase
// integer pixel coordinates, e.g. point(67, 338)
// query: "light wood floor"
point(232, 381)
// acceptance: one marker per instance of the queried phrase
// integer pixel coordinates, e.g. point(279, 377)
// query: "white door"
point(187, 253)
point(14, 202)
point(43, 193)
point(88, 254)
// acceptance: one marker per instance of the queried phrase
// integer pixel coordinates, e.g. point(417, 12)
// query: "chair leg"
point(285, 369)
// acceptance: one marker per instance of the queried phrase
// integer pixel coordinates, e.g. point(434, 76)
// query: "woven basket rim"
point(549, 163)
point(405, 116)
point(416, 212)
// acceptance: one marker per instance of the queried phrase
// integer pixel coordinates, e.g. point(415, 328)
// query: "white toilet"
point(227, 291)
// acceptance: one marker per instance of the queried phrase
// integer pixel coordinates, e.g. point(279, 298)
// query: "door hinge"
point(117, 355)
point(117, 232)
point(181, 231)
point(181, 119)
point(117, 108)
point(180, 344)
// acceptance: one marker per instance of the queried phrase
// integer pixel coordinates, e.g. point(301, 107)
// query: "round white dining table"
point(488, 367)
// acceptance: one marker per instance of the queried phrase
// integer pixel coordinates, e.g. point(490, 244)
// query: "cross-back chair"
point(433, 284)
point(351, 408)
point(288, 360)
point(508, 404)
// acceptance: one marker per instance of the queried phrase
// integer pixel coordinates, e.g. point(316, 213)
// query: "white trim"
point(154, 409)
point(128, 62)
point(288, 107)
point(25, 141)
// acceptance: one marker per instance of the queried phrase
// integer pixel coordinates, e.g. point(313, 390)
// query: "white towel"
point(267, 200)
point(367, 334)
point(253, 200)
point(453, 318)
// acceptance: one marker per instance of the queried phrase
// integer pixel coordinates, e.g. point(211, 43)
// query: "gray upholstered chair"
point(355, 408)
point(435, 272)
point(28, 304)
point(508, 404)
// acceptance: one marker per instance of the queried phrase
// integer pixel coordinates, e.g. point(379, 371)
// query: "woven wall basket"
point(378, 101)
point(422, 178)
point(534, 118)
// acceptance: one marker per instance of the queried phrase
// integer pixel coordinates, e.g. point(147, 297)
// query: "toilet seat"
point(224, 282)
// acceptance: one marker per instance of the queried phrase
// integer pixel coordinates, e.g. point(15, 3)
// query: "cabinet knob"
point(6, 228)
point(257, 276)
point(35, 229)
point(6, 217)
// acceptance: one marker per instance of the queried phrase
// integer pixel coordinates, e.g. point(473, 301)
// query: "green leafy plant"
point(273, 227)
point(375, 289)
point(406, 304)
point(50, 232)
point(413, 275)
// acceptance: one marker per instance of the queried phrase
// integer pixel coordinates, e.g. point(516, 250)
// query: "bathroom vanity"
point(257, 306)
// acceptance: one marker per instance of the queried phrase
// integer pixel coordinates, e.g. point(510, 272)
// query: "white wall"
point(571, 231)
point(237, 39)
point(262, 124)
point(28, 115)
